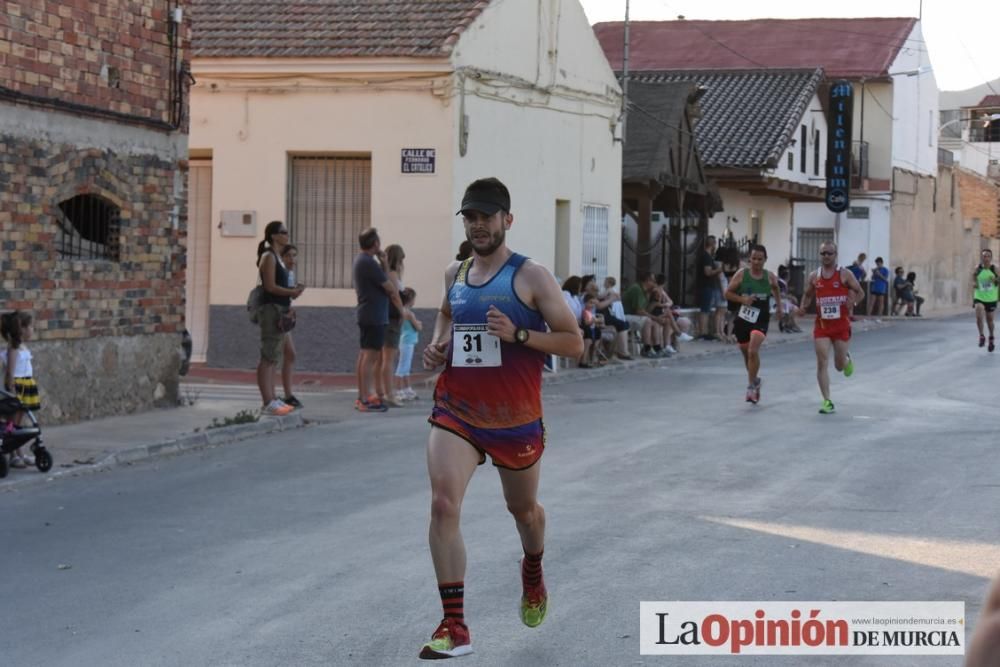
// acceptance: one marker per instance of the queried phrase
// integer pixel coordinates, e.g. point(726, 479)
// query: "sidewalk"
point(210, 395)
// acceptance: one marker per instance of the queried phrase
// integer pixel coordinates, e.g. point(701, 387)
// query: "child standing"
point(17, 327)
point(407, 342)
point(289, 257)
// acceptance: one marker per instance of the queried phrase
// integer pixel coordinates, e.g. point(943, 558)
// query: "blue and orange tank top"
point(502, 396)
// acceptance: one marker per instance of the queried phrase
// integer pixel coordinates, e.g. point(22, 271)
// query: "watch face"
point(522, 335)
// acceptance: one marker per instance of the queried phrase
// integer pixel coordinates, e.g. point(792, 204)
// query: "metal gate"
point(595, 242)
point(329, 203)
point(809, 241)
point(673, 251)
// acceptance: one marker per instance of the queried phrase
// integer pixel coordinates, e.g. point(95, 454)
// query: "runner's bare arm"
point(540, 290)
point(852, 284)
point(779, 306)
point(436, 352)
point(808, 295)
point(734, 284)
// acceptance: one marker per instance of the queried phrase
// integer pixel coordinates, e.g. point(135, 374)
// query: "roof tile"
point(844, 48)
point(748, 117)
point(329, 28)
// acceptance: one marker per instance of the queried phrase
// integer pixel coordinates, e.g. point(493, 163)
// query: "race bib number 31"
point(473, 347)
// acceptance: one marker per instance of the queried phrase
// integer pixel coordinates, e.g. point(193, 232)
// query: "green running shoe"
point(534, 604)
point(450, 640)
point(827, 408)
point(849, 367)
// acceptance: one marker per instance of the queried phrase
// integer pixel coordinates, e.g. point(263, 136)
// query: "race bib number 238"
point(473, 347)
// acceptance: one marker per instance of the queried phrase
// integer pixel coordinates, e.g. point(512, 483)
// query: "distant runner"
point(836, 291)
point(752, 289)
point(985, 292)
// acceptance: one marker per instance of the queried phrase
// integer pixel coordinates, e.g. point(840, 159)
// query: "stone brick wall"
point(143, 293)
point(929, 237)
point(93, 102)
point(980, 199)
point(114, 55)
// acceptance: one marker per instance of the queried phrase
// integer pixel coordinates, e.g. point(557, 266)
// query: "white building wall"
point(915, 108)
point(251, 136)
point(556, 145)
point(813, 119)
point(854, 236)
point(876, 126)
point(775, 222)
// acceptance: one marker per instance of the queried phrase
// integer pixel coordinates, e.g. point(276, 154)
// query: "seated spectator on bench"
point(591, 324)
point(571, 293)
point(789, 302)
point(904, 294)
point(636, 302)
point(911, 280)
point(676, 328)
point(606, 302)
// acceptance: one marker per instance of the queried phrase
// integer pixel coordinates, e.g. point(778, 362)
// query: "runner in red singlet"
point(836, 291)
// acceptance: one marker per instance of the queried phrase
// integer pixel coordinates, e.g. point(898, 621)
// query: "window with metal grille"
point(329, 203)
point(89, 228)
point(595, 241)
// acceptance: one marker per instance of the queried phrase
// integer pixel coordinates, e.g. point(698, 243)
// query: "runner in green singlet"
point(985, 293)
point(752, 289)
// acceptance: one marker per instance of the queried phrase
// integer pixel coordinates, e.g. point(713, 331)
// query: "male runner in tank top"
point(985, 293)
point(837, 292)
point(501, 315)
point(752, 288)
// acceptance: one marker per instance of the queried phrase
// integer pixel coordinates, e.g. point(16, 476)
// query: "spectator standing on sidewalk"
point(878, 289)
point(374, 292)
point(290, 257)
point(407, 343)
point(859, 271)
point(709, 289)
point(275, 303)
point(394, 257)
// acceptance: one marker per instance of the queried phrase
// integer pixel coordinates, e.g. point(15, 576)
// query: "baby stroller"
point(12, 437)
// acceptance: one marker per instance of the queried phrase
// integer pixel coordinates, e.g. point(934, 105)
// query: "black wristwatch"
point(521, 336)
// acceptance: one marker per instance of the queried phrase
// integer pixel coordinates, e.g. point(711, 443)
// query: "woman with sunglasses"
point(275, 302)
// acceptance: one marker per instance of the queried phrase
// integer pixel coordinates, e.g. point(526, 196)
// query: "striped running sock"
point(453, 600)
point(531, 570)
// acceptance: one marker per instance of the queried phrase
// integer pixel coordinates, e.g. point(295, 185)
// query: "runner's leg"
point(520, 490)
point(840, 354)
point(823, 346)
point(980, 316)
point(752, 354)
point(450, 464)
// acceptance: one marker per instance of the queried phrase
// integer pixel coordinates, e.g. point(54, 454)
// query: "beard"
point(497, 239)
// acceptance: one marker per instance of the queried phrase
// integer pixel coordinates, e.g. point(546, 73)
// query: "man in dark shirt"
point(374, 291)
point(709, 288)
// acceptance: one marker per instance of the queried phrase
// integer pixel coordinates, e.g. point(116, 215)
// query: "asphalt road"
point(661, 485)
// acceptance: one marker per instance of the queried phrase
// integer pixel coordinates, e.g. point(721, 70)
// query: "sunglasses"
point(827, 252)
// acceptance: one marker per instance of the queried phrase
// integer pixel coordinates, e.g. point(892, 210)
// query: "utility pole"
point(625, 76)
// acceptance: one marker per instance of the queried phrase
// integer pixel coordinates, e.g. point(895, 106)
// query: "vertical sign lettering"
point(838, 146)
